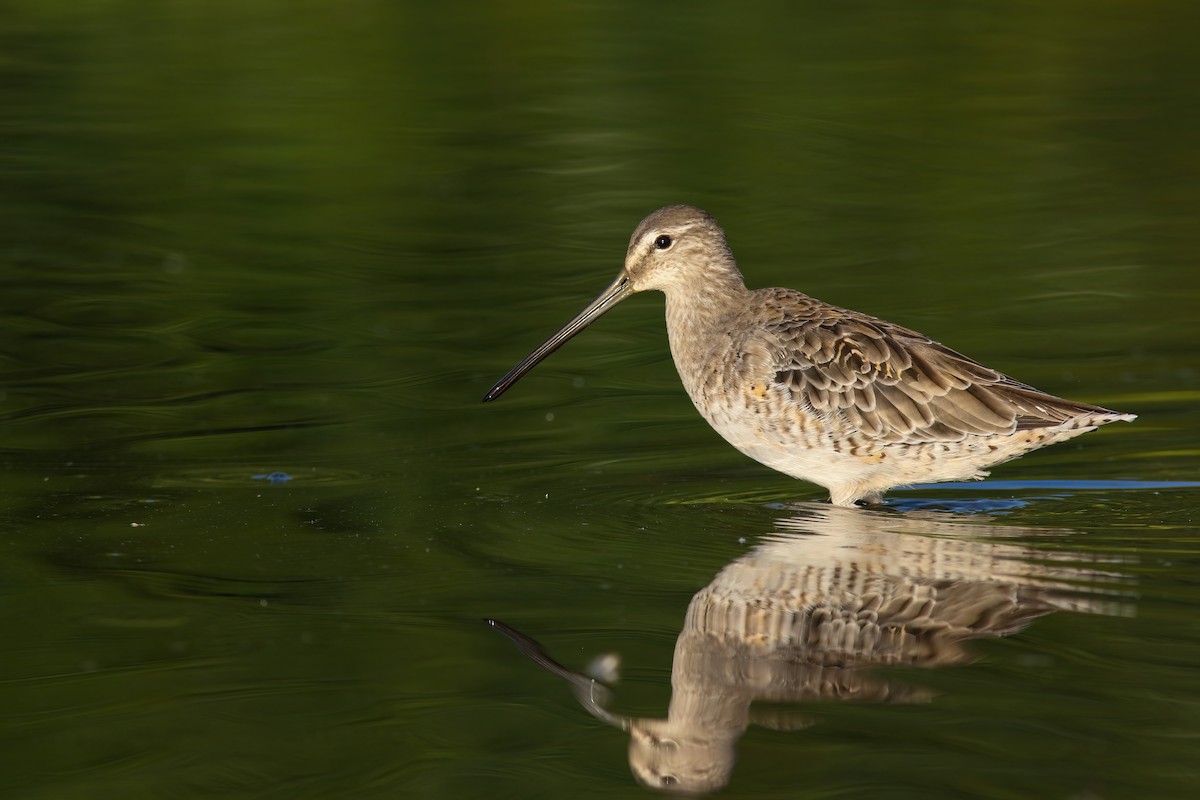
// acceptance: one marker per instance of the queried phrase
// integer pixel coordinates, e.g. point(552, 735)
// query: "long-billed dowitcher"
point(844, 400)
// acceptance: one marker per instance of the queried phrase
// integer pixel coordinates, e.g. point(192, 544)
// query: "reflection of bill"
point(833, 591)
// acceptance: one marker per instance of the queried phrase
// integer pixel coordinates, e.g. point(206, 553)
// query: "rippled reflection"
point(827, 595)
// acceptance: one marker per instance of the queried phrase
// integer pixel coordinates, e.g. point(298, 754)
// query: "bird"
point(847, 401)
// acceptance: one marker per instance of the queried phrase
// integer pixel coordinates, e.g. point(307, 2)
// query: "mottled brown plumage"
point(845, 400)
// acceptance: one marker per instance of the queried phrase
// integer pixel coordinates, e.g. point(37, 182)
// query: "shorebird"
point(835, 397)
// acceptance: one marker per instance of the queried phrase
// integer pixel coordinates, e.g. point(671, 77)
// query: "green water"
point(246, 238)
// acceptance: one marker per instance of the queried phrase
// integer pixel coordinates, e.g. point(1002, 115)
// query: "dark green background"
point(245, 237)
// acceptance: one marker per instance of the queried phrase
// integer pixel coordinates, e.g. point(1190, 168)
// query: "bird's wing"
point(891, 383)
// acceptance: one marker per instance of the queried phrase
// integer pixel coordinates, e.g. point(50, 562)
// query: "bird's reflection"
point(830, 593)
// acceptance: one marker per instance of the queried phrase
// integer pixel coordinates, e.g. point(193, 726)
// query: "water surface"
point(272, 240)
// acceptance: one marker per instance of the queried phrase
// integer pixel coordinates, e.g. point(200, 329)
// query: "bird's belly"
point(785, 437)
point(791, 441)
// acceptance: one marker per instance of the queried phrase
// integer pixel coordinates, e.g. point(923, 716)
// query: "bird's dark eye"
point(662, 242)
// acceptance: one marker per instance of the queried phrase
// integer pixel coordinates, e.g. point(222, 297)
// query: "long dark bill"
point(614, 294)
point(593, 695)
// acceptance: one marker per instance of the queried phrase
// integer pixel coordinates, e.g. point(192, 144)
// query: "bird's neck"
point(706, 298)
point(698, 314)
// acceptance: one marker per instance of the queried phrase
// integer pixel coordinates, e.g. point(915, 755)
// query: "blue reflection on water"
point(274, 478)
point(986, 505)
point(1057, 484)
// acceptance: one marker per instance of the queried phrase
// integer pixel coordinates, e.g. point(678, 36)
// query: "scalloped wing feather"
point(887, 381)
